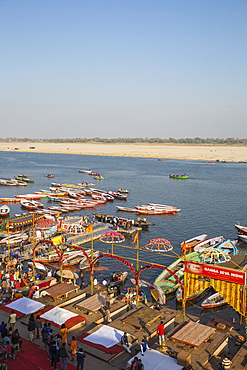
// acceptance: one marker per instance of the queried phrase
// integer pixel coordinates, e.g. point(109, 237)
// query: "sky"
point(123, 68)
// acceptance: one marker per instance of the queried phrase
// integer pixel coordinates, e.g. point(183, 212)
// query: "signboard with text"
point(216, 272)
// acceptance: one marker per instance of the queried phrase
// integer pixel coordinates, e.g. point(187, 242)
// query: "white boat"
point(126, 209)
point(4, 211)
point(208, 243)
point(242, 238)
point(14, 239)
point(241, 229)
point(214, 300)
point(84, 262)
point(85, 171)
point(191, 243)
point(31, 204)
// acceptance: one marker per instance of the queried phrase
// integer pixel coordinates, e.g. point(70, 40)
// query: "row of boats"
point(202, 250)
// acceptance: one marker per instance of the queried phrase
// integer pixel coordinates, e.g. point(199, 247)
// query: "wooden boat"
point(126, 209)
point(14, 239)
point(191, 243)
point(29, 204)
point(241, 229)
point(228, 246)
point(19, 182)
point(151, 210)
point(214, 300)
point(213, 242)
point(164, 206)
point(99, 198)
point(242, 238)
point(183, 177)
point(4, 211)
point(7, 182)
point(29, 196)
point(50, 175)
point(139, 222)
point(118, 195)
point(197, 296)
point(166, 281)
point(98, 177)
point(84, 262)
point(210, 163)
point(10, 200)
point(85, 171)
point(123, 191)
point(116, 280)
point(23, 179)
point(73, 259)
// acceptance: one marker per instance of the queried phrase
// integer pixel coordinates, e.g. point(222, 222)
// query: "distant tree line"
point(196, 140)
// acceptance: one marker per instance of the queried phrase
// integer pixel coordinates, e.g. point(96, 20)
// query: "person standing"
point(140, 365)
point(12, 319)
point(161, 332)
point(73, 348)
point(107, 307)
point(63, 354)
point(38, 327)
point(31, 327)
point(125, 342)
point(80, 359)
point(226, 363)
point(54, 354)
point(134, 364)
point(64, 333)
point(16, 339)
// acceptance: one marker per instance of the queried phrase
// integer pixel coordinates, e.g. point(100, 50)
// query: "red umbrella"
point(159, 245)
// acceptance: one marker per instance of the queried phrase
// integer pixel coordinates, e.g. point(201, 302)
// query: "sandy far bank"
point(162, 151)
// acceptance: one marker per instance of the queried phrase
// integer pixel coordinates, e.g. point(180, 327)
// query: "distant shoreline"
point(209, 153)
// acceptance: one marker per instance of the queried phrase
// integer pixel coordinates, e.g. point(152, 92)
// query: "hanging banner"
point(215, 272)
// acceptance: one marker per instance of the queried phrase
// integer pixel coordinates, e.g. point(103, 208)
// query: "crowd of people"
point(56, 344)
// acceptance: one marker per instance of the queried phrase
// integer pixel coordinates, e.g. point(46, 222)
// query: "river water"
point(211, 200)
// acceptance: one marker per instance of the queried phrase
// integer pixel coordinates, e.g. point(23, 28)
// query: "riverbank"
point(161, 151)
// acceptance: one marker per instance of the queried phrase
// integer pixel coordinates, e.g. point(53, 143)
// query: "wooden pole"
point(91, 265)
point(137, 269)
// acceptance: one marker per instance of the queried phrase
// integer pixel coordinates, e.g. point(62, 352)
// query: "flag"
point(136, 237)
point(89, 228)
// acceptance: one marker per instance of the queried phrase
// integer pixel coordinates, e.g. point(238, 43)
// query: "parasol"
point(112, 237)
point(68, 274)
point(214, 255)
point(159, 245)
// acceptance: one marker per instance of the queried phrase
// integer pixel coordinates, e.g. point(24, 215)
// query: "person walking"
point(31, 327)
point(64, 333)
point(80, 359)
point(63, 354)
point(161, 332)
point(125, 342)
point(12, 319)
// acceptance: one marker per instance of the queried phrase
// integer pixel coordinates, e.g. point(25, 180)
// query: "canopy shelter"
point(92, 304)
point(58, 315)
point(106, 336)
point(159, 245)
point(193, 334)
point(25, 305)
point(155, 360)
point(61, 290)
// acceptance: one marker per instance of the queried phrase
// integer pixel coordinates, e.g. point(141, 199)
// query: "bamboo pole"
point(91, 265)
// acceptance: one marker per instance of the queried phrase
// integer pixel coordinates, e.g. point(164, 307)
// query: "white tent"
point(25, 305)
point(155, 360)
point(58, 315)
point(106, 336)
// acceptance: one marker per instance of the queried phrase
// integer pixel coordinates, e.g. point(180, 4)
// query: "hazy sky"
point(123, 68)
